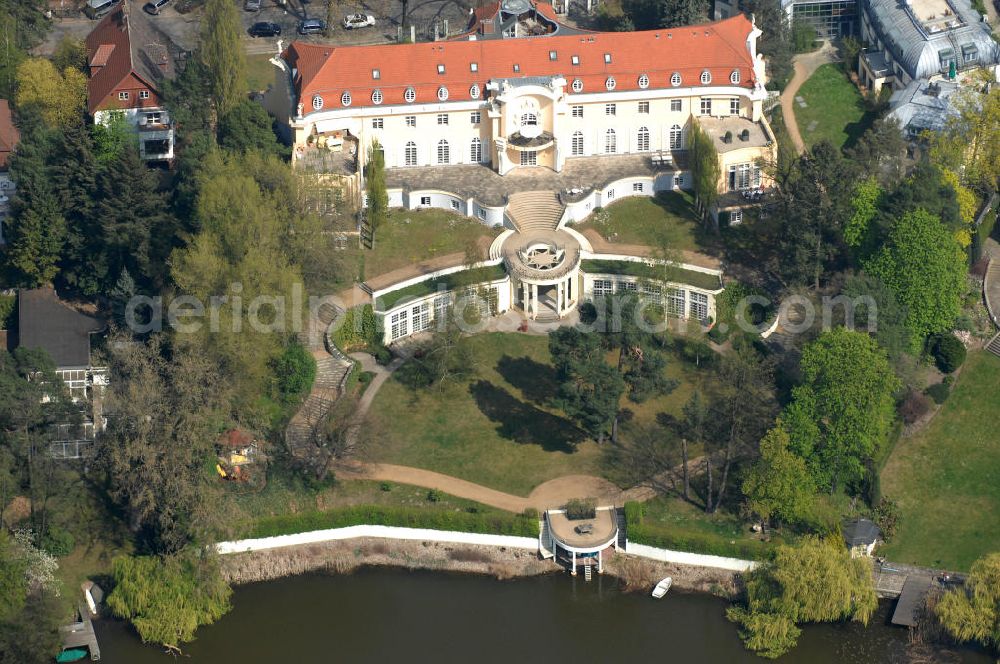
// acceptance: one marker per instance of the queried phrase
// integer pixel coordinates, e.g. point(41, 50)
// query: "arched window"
point(410, 95)
point(577, 145)
point(643, 82)
point(474, 91)
point(610, 142)
point(444, 152)
point(734, 78)
point(642, 144)
point(610, 83)
point(411, 154)
point(476, 151)
point(443, 93)
point(376, 96)
point(676, 137)
point(706, 77)
point(529, 119)
point(317, 102)
point(577, 85)
point(345, 98)
point(675, 79)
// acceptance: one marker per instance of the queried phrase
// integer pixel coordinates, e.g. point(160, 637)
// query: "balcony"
point(530, 137)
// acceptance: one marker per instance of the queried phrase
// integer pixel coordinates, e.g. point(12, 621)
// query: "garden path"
point(805, 65)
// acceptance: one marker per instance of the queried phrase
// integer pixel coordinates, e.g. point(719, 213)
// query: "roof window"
point(553, 55)
point(440, 69)
point(443, 93)
point(706, 77)
point(473, 66)
point(517, 69)
point(410, 95)
point(607, 58)
point(345, 98)
point(575, 59)
point(376, 74)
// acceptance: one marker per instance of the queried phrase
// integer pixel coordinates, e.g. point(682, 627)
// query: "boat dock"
point(81, 635)
point(911, 600)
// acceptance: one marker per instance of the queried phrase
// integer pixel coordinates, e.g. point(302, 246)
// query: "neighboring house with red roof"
point(129, 59)
point(9, 138)
point(536, 101)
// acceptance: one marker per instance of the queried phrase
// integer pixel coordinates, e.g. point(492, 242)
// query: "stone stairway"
point(622, 528)
point(332, 370)
point(544, 540)
point(994, 345)
point(534, 210)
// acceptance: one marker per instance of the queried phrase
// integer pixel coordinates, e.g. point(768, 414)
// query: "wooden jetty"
point(911, 600)
point(81, 635)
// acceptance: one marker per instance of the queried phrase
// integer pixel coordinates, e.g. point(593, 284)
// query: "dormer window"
point(473, 66)
point(376, 96)
point(474, 91)
point(575, 59)
point(517, 69)
point(610, 83)
point(410, 95)
point(553, 55)
point(734, 78)
point(345, 99)
point(440, 69)
point(643, 82)
point(443, 93)
point(706, 77)
point(675, 79)
point(607, 58)
point(317, 102)
point(577, 85)
point(376, 74)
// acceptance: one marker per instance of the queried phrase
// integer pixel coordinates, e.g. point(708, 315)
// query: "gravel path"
point(805, 65)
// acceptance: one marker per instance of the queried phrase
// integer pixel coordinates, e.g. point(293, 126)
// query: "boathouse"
point(581, 542)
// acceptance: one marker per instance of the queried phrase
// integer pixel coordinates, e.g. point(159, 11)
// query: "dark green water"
point(384, 615)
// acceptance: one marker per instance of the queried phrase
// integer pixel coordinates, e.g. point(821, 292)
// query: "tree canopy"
point(923, 264)
point(58, 97)
point(779, 483)
point(971, 613)
point(841, 413)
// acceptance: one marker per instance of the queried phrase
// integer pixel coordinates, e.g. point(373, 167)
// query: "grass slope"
point(947, 477)
point(647, 221)
point(836, 107)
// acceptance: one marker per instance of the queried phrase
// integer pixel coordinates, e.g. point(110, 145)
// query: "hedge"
point(491, 523)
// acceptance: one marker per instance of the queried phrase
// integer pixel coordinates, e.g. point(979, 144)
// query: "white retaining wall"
point(454, 537)
point(385, 532)
point(685, 558)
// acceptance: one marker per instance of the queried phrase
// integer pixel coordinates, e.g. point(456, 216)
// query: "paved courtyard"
point(491, 188)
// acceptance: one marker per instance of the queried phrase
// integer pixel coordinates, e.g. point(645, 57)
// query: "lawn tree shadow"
point(523, 423)
point(538, 382)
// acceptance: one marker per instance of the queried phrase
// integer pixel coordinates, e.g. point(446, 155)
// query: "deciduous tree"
point(59, 97)
point(924, 266)
point(779, 484)
point(971, 613)
point(222, 53)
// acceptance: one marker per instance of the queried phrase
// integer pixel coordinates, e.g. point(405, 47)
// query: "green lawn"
point(947, 477)
point(260, 72)
point(494, 429)
point(834, 110)
point(411, 236)
point(499, 428)
point(668, 217)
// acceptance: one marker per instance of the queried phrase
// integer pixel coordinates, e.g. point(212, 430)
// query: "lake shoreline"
point(346, 556)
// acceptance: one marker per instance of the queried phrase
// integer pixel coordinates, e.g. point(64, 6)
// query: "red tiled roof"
point(124, 44)
point(9, 136)
point(719, 48)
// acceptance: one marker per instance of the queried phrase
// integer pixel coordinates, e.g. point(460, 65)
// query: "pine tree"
point(73, 175)
point(222, 53)
point(36, 240)
point(131, 211)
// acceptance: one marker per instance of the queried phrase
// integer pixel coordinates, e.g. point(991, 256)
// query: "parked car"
point(264, 29)
point(358, 21)
point(252, 5)
point(153, 8)
point(312, 26)
point(97, 8)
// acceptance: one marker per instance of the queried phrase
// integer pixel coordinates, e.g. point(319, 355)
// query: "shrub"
point(491, 522)
point(580, 508)
point(58, 542)
point(914, 406)
point(7, 315)
point(434, 496)
point(295, 370)
point(383, 355)
point(359, 329)
point(385, 486)
point(887, 517)
point(938, 392)
point(948, 351)
point(366, 377)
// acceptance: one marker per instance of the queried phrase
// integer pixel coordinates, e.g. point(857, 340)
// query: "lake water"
point(390, 615)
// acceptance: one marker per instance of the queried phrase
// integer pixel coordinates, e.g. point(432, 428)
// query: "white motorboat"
point(662, 587)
